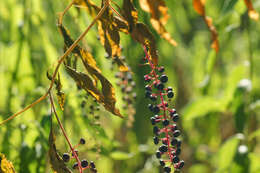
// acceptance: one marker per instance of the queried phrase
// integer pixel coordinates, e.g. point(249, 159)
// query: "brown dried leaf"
point(159, 17)
point(85, 82)
point(142, 34)
point(251, 11)
point(130, 13)
point(108, 28)
point(139, 31)
point(107, 97)
point(5, 165)
point(107, 90)
point(56, 161)
point(199, 6)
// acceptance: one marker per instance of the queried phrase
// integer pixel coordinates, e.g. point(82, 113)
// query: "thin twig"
point(62, 58)
point(64, 133)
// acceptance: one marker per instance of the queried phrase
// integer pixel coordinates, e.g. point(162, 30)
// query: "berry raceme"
point(164, 120)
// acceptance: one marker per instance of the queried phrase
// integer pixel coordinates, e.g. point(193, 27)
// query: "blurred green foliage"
point(218, 96)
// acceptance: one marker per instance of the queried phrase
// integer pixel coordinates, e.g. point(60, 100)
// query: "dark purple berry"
point(167, 169)
point(84, 163)
point(163, 148)
point(166, 122)
point(66, 157)
point(175, 117)
point(155, 140)
point(175, 159)
point(158, 154)
point(153, 120)
point(148, 94)
point(156, 109)
point(75, 165)
point(150, 106)
point(92, 164)
point(174, 127)
point(169, 89)
point(156, 130)
point(181, 164)
point(172, 112)
point(165, 141)
point(174, 142)
point(153, 97)
point(178, 143)
point(82, 141)
point(148, 88)
point(163, 78)
point(178, 151)
point(162, 163)
point(170, 94)
point(176, 133)
point(159, 86)
point(161, 69)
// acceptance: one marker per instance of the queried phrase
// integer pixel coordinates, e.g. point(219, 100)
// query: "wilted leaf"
point(107, 90)
point(251, 11)
point(85, 82)
point(107, 96)
point(5, 165)
point(108, 28)
point(56, 161)
point(199, 6)
point(130, 13)
point(159, 17)
point(139, 31)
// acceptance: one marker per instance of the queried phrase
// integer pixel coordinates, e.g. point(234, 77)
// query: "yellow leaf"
point(159, 17)
point(251, 11)
point(107, 96)
point(199, 6)
point(5, 165)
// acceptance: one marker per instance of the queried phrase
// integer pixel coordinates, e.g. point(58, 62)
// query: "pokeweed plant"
point(110, 24)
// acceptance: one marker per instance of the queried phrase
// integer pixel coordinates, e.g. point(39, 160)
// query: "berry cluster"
point(83, 163)
point(164, 120)
point(127, 85)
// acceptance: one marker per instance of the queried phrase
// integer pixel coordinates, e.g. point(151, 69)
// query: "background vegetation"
point(218, 96)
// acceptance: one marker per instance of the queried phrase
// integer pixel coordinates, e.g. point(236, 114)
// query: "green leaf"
point(254, 134)
point(227, 152)
point(202, 107)
point(254, 163)
point(119, 155)
point(228, 6)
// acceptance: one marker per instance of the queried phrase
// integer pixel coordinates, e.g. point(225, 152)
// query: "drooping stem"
point(62, 58)
point(64, 133)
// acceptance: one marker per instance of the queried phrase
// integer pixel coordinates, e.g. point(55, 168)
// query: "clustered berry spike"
point(164, 120)
point(127, 84)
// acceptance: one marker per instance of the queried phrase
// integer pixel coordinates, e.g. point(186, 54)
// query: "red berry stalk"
point(165, 118)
